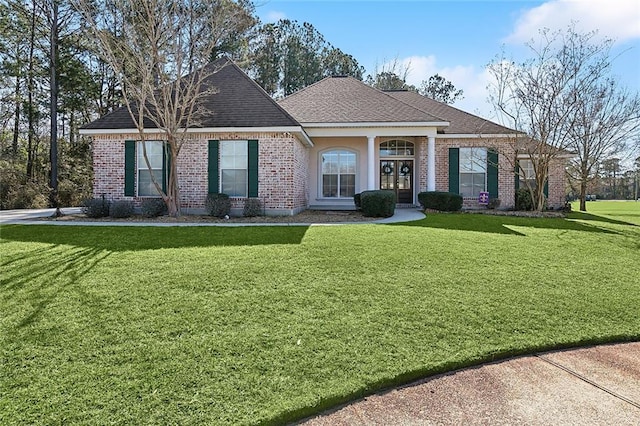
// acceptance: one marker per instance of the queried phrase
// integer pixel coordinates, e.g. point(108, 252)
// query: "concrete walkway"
point(597, 385)
point(29, 217)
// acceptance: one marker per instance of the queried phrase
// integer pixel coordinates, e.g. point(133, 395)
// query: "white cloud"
point(619, 20)
point(274, 16)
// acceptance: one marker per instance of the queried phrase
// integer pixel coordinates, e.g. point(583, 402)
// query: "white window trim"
point(405, 156)
point(246, 169)
point(460, 173)
point(320, 174)
point(141, 165)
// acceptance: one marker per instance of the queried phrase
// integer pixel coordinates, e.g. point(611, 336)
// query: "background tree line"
point(54, 77)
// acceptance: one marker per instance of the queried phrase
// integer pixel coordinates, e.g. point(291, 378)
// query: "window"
point(396, 148)
point(473, 171)
point(155, 155)
point(527, 172)
point(233, 168)
point(338, 174)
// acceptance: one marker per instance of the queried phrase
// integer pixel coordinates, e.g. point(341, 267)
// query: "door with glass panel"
point(397, 176)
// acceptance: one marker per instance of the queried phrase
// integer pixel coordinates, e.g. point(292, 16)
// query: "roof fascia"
point(476, 135)
point(297, 131)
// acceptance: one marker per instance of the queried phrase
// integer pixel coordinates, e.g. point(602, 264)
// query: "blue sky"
point(457, 39)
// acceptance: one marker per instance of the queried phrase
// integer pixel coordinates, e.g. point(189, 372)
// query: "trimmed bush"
point(153, 207)
point(379, 203)
point(218, 205)
point(494, 203)
point(96, 207)
point(439, 200)
point(121, 209)
point(252, 207)
point(524, 200)
point(357, 202)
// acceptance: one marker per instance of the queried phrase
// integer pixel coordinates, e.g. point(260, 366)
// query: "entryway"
point(397, 175)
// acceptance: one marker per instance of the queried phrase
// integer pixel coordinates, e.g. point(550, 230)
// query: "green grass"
point(202, 325)
point(626, 211)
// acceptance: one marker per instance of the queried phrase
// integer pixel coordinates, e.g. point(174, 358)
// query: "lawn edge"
point(336, 402)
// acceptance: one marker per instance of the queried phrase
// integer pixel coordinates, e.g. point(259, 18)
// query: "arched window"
point(338, 169)
point(397, 148)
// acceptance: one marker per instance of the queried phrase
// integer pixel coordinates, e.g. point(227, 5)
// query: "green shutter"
point(492, 173)
point(253, 168)
point(129, 168)
point(213, 168)
point(454, 170)
point(516, 171)
point(546, 189)
point(166, 165)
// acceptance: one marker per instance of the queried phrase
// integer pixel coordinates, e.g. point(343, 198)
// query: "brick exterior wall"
point(284, 169)
point(557, 183)
point(282, 176)
point(506, 156)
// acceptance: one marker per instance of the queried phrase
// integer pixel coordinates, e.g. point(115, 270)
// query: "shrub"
point(71, 194)
point(121, 209)
point(524, 200)
point(218, 205)
point(567, 207)
point(379, 203)
point(96, 207)
point(153, 207)
point(252, 207)
point(357, 202)
point(439, 200)
point(494, 203)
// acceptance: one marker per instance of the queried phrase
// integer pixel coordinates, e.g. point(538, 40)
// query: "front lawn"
point(627, 211)
point(196, 325)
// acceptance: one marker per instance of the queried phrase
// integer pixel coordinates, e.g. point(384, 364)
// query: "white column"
point(371, 166)
point(431, 164)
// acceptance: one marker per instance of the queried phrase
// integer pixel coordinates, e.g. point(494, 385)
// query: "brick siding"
point(282, 175)
point(506, 156)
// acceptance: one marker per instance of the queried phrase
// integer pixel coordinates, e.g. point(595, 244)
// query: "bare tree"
point(391, 75)
point(440, 89)
point(541, 97)
point(606, 119)
point(160, 58)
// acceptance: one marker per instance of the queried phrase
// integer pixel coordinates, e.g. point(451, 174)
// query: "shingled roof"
point(461, 122)
point(348, 100)
point(239, 102)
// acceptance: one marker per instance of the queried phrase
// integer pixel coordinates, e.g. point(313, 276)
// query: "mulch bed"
point(307, 216)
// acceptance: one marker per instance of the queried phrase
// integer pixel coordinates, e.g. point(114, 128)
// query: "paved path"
point(29, 217)
point(597, 385)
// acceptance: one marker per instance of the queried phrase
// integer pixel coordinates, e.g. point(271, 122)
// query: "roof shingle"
point(460, 122)
point(348, 100)
point(239, 102)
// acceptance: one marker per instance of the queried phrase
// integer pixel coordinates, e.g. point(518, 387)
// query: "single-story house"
point(315, 149)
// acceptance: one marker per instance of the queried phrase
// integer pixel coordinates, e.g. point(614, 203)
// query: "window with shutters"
point(155, 155)
point(473, 171)
point(234, 168)
point(527, 173)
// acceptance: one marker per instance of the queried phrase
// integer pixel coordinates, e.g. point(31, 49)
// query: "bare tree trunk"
point(53, 62)
point(16, 124)
point(583, 195)
point(30, 89)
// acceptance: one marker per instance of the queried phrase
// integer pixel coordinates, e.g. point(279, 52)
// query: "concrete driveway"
point(597, 385)
point(15, 216)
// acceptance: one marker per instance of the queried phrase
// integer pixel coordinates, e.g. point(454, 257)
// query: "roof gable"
point(239, 102)
point(348, 100)
point(460, 122)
